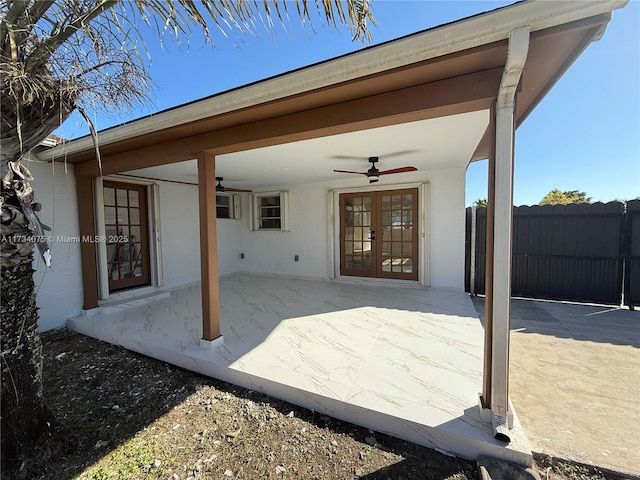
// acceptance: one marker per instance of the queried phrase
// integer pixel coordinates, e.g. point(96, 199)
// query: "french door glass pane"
point(110, 216)
point(123, 215)
point(397, 234)
point(134, 216)
point(121, 197)
point(357, 233)
point(109, 196)
point(133, 198)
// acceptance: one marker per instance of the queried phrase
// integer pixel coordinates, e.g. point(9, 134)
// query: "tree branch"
point(14, 12)
point(43, 51)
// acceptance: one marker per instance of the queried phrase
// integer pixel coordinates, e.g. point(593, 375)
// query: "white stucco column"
point(502, 232)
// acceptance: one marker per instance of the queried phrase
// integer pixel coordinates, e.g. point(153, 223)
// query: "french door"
point(379, 234)
point(126, 228)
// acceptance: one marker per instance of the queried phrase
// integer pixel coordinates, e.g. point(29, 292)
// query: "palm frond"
point(92, 53)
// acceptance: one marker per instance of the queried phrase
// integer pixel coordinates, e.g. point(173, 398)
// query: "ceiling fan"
point(373, 174)
point(221, 188)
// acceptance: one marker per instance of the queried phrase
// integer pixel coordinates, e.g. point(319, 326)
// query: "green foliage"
point(132, 459)
point(481, 202)
point(557, 197)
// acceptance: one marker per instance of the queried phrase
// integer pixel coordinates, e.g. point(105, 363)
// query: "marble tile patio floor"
point(402, 360)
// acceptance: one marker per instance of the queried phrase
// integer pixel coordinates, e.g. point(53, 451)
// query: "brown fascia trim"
point(446, 97)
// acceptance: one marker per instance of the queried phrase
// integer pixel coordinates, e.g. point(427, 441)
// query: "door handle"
point(372, 233)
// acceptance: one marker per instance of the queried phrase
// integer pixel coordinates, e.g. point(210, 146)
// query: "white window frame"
point(234, 205)
point(284, 211)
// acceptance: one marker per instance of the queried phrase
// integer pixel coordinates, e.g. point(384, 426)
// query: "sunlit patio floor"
point(402, 360)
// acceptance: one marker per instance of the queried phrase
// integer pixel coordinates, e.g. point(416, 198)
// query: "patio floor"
point(402, 360)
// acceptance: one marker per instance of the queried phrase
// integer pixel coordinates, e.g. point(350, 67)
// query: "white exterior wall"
point(230, 236)
point(59, 288)
point(447, 228)
point(273, 251)
point(179, 233)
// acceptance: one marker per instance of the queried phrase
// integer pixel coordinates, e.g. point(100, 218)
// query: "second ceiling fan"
point(221, 188)
point(373, 174)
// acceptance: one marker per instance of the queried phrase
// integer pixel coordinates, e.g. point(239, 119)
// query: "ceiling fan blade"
point(397, 170)
point(350, 171)
point(347, 157)
point(397, 153)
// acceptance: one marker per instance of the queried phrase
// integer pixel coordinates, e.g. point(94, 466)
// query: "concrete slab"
point(575, 378)
point(402, 359)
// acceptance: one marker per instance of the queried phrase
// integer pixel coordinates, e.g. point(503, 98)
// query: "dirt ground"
point(128, 416)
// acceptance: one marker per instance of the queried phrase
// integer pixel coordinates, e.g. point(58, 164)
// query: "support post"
point(501, 292)
point(502, 207)
point(87, 230)
point(208, 247)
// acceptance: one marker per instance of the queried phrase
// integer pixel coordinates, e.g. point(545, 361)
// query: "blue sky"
point(585, 135)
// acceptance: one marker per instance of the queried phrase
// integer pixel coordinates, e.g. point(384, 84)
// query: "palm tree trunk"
point(25, 420)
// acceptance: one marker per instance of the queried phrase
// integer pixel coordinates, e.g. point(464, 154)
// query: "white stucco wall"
point(447, 228)
point(230, 236)
point(273, 251)
point(59, 288)
point(179, 233)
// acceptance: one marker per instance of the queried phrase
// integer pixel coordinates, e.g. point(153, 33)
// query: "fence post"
point(631, 284)
point(472, 255)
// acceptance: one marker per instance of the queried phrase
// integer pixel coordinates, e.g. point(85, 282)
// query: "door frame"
point(376, 236)
point(333, 237)
point(153, 235)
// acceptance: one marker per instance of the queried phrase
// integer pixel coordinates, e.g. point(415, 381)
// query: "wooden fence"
point(577, 252)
